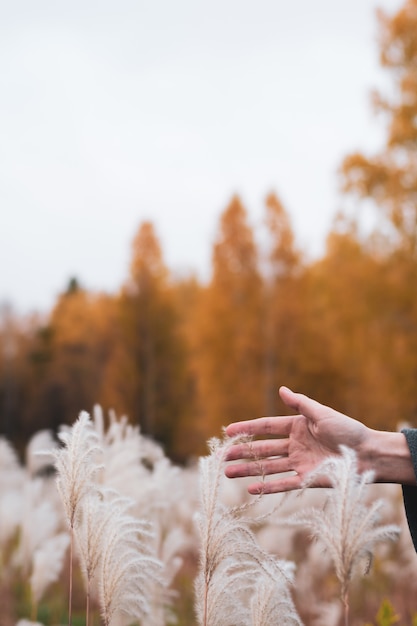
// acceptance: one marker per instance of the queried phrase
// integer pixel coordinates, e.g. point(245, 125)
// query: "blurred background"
point(199, 203)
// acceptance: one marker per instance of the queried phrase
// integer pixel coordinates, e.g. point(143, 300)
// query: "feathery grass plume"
point(76, 467)
point(347, 526)
point(91, 533)
point(47, 565)
point(76, 464)
point(127, 567)
point(89, 539)
point(231, 561)
point(174, 534)
point(40, 522)
point(41, 547)
point(168, 548)
point(11, 507)
point(12, 478)
point(130, 459)
point(37, 461)
point(312, 596)
point(137, 468)
point(11, 472)
point(272, 603)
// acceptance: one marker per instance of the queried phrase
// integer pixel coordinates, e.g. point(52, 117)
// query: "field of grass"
point(155, 544)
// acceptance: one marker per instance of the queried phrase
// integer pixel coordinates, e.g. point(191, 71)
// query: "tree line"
point(182, 357)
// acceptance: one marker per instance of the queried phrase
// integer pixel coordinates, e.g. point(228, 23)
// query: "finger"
point(280, 426)
point(257, 449)
point(259, 468)
point(280, 485)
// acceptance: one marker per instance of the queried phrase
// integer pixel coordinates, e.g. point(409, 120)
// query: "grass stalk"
point(87, 607)
point(205, 603)
point(34, 610)
point(345, 602)
point(70, 575)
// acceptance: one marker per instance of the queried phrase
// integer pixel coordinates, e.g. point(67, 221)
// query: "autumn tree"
point(230, 358)
point(283, 308)
point(389, 179)
point(69, 355)
point(51, 366)
point(13, 349)
point(341, 330)
point(390, 176)
point(150, 366)
point(188, 438)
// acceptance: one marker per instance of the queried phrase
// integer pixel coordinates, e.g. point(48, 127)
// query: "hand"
point(303, 442)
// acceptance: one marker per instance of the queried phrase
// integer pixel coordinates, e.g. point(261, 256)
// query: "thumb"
point(289, 398)
point(299, 402)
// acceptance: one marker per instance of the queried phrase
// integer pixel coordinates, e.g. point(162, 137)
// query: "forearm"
point(388, 455)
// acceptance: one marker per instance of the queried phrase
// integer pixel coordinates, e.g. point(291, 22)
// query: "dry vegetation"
point(141, 556)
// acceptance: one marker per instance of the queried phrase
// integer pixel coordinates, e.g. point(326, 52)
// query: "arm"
point(302, 441)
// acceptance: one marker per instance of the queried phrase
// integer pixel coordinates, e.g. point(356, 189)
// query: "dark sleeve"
point(410, 491)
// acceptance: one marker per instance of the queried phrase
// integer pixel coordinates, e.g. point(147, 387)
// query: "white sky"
point(112, 112)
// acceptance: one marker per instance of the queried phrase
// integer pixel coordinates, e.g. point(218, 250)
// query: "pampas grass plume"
point(76, 468)
point(127, 567)
point(76, 464)
point(231, 561)
point(47, 564)
point(40, 521)
point(272, 604)
point(347, 526)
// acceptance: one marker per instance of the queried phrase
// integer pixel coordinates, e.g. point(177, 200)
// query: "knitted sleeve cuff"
point(410, 491)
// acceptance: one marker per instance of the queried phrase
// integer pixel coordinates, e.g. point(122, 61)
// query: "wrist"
point(387, 454)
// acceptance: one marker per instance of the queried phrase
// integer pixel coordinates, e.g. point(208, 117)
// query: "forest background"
point(182, 357)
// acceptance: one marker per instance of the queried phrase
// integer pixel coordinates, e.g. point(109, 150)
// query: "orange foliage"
point(229, 327)
point(390, 176)
point(182, 358)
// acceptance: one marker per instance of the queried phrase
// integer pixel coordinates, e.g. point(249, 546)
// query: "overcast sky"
point(116, 112)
